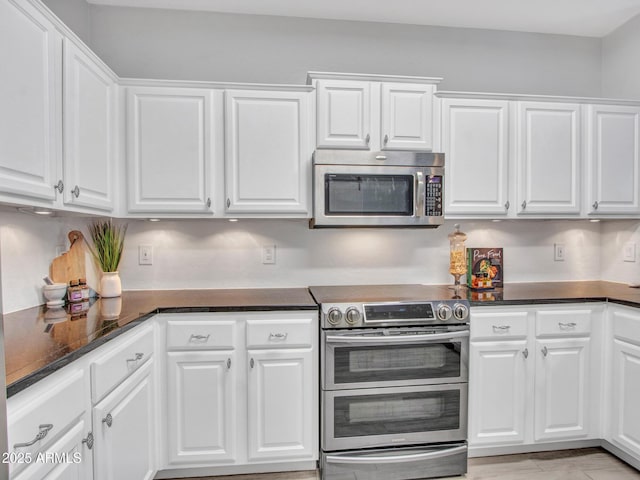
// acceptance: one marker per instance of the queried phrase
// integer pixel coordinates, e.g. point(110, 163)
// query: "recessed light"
point(594, 220)
point(233, 219)
point(37, 211)
point(496, 220)
point(153, 219)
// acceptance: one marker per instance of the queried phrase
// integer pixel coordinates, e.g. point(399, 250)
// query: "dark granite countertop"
point(41, 340)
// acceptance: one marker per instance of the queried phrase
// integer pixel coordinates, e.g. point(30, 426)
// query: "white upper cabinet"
point(548, 157)
point(30, 147)
point(475, 140)
point(169, 137)
point(613, 159)
point(268, 151)
point(407, 116)
point(89, 130)
point(344, 114)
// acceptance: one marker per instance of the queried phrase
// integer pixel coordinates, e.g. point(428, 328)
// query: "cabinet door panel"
point(562, 388)
point(201, 406)
point(268, 157)
point(30, 98)
point(498, 378)
point(625, 413)
point(614, 159)
point(280, 403)
point(476, 144)
point(168, 149)
point(344, 114)
point(548, 156)
point(89, 130)
point(407, 116)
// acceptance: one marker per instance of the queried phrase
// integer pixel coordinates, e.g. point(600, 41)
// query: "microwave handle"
point(420, 194)
point(397, 338)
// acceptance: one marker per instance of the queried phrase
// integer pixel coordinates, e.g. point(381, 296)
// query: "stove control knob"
point(460, 311)
point(334, 315)
point(444, 312)
point(353, 315)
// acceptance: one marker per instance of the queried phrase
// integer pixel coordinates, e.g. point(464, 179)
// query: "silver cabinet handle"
point(200, 338)
point(501, 328)
point(525, 353)
point(76, 191)
point(43, 430)
point(59, 186)
point(136, 358)
point(228, 203)
point(595, 205)
point(278, 336)
point(251, 363)
point(367, 139)
point(228, 363)
point(88, 441)
point(396, 458)
point(544, 351)
point(108, 420)
point(524, 205)
point(386, 139)
point(209, 202)
point(507, 205)
point(567, 326)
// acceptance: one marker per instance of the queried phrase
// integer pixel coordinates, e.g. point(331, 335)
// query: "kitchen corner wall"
point(620, 65)
point(615, 235)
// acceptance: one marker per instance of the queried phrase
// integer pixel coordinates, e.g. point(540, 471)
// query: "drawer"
point(200, 335)
point(498, 325)
point(274, 333)
point(561, 323)
point(121, 360)
point(48, 408)
point(626, 325)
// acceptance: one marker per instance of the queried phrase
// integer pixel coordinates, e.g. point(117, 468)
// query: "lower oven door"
point(431, 461)
point(377, 417)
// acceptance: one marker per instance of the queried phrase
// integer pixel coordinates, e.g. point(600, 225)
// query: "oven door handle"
point(430, 337)
point(397, 458)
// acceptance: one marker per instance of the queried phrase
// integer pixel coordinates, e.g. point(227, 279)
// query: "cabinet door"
point(89, 130)
point(548, 158)
point(169, 136)
point(268, 155)
point(562, 389)
point(281, 418)
point(499, 374)
point(614, 159)
point(344, 109)
point(124, 430)
point(625, 414)
point(30, 49)
point(475, 135)
point(201, 407)
point(407, 116)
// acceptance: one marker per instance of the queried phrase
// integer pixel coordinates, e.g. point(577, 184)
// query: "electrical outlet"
point(269, 254)
point(629, 252)
point(145, 254)
point(559, 252)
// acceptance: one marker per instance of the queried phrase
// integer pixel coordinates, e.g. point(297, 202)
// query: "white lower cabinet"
point(534, 377)
point(124, 430)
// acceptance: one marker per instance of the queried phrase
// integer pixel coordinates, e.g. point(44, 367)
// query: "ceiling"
point(593, 18)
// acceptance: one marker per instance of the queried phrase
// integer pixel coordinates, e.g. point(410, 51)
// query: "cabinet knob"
point(544, 351)
point(43, 430)
point(228, 363)
point(367, 139)
point(209, 202)
point(595, 205)
point(108, 420)
point(88, 441)
point(251, 363)
point(507, 205)
point(76, 191)
point(386, 139)
point(525, 353)
point(59, 186)
point(524, 205)
point(228, 203)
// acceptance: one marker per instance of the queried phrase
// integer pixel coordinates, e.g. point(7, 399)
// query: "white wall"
point(220, 254)
point(615, 235)
point(620, 65)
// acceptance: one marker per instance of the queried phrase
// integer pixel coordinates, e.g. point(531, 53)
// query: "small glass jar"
point(74, 292)
point(457, 255)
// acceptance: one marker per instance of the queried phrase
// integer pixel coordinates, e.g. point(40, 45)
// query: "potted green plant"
point(108, 243)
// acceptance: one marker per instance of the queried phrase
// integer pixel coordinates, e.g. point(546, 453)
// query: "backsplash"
point(615, 235)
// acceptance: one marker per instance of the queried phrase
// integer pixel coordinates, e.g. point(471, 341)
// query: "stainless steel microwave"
point(377, 189)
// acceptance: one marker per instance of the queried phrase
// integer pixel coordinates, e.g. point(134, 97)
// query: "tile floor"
point(583, 464)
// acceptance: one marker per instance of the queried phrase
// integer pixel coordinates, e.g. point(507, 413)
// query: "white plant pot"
point(110, 308)
point(110, 285)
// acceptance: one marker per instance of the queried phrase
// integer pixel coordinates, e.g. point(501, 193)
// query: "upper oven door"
point(364, 195)
point(383, 357)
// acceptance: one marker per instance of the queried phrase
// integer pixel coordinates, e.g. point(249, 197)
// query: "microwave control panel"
point(434, 201)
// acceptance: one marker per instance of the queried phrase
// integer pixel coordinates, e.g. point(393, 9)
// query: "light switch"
point(269, 254)
point(145, 254)
point(629, 252)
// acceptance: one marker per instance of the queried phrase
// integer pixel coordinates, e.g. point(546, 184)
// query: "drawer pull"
point(44, 430)
point(501, 328)
point(108, 420)
point(278, 336)
point(251, 363)
point(545, 351)
point(525, 353)
point(567, 326)
point(88, 440)
point(228, 364)
point(136, 358)
point(199, 338)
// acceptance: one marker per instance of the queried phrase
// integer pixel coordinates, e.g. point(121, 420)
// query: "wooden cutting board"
point(75, 263)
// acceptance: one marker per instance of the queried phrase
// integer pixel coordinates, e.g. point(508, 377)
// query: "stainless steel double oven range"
point(394, 377)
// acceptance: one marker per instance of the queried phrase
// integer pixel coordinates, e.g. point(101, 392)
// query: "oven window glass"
point(385, 363)
point(396, 413)
point(368, 194)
